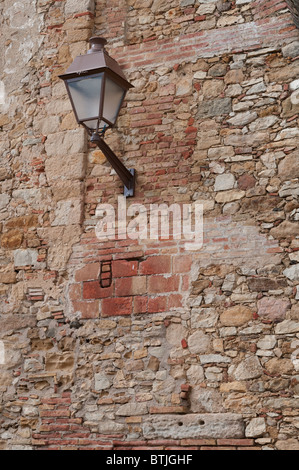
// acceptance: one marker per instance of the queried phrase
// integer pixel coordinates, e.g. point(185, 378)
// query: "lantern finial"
point(97, 45)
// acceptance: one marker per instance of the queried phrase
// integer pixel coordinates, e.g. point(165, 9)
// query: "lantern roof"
point(96, 60)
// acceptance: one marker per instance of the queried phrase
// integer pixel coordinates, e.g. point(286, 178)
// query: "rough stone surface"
point(226, 425)
point(249, 369)
point(273, 309)
point(198, 343)
point(236, 316)
point(256, 428)
point(186, 348)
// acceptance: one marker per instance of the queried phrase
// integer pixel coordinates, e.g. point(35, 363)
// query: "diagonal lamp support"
point(126, 175)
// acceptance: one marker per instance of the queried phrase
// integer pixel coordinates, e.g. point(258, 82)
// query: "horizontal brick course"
point(93, 290)
point(117, 307)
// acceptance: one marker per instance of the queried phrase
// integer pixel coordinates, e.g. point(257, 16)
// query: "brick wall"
point(188, 350)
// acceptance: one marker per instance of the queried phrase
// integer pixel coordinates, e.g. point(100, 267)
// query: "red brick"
point(130, 286)
point(123, 268)
point(156, 265)
point(175, 301)
point(198, 442)
point(87, 309)
point(56, 401)
point(185, 282)
point(146, 448)
point(55, 413)
point(117, 307)
point(161, 284)
point(90, 272)
point(182, 448)
point(93, 290)
point(146, 123)
point(182, 264)
point(36, 442)
point(129, 443)
point(218, 448)
point(162, 442)
point(157, 305)
point(235, 442)
point(140, 305)
point(88, 442)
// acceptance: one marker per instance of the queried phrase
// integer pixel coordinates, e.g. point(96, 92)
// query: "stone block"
point(286, 229)
point(194, 426)
point(64, 144)
point(242, 119)
point(224, 182)
point(175, 333)
point(256, 428)
point(291, 50)
point(228, 196)
point(287, 327)
point(79, 6)
point(264, 284)
point(12, 239)
point(288, 445)
point(195, 375)
point(236, 316)
point(273, 309)
point(132, 409)
point(289, 167)
point(280, 366)
point(111, 427)
point(69, 167)
point(101, 382)
point(25, 258)
point(24, 222)
point(68, 212)
point(292, 272)
point(206, 401)
point(60, 241)
point(249, 369)
point(4, 200)
point(218, 107)
point(62, 362)
point(198, 343)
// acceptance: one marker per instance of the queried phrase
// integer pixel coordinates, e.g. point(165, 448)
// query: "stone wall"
point(185, 349)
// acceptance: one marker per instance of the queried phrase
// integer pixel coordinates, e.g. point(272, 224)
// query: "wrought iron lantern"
point(97, 88)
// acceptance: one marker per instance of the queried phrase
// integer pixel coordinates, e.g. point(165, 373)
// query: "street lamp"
point(97, 87)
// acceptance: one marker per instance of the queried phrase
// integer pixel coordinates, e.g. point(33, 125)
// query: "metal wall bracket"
point(127, 176)
point(129, 192)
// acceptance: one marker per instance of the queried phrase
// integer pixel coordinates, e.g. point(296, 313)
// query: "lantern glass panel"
point(86, 96)
point(114, 95)
point(95, 124)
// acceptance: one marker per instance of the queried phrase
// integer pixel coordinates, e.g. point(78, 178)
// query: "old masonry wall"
point(185, 349)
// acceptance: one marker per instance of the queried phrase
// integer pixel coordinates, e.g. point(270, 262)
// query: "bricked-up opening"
point(106, 274)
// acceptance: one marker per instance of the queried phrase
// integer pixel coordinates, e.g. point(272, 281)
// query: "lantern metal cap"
point(97, 45)
point(96, 60)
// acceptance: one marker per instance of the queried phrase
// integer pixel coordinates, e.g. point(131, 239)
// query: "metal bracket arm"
point(127, 176)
